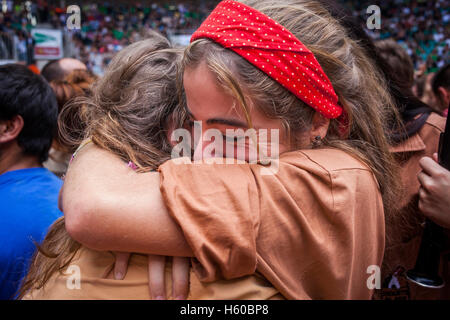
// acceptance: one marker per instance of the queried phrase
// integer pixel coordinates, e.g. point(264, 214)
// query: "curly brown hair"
point(127, 113)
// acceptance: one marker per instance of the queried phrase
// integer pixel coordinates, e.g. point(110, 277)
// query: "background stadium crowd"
point(420, 26)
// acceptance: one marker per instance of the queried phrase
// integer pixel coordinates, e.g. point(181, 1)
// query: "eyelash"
point(233, 139)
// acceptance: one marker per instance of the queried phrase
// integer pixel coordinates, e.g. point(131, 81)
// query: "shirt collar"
point(413, 144)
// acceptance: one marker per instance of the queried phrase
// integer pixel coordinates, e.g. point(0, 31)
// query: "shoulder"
point(49, 180)
point(34, 190)
point(435, 122)
point(33, 177)
point(326, 160)
point(431, 130)
point(328, 171)
point(333, 171)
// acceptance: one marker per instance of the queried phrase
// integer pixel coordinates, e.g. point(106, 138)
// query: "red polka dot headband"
point(274, 50)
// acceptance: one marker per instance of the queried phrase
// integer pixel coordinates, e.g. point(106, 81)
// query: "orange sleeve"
point(218, 212)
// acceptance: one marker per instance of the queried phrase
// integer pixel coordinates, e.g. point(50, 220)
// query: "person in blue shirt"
point(28, 192)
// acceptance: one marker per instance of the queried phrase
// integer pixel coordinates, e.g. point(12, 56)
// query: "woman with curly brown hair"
point(129, 113)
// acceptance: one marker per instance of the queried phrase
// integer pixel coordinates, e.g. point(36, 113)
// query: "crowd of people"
point(106, 27)
point(109, 27)
point(355, 163)
point(421, 27)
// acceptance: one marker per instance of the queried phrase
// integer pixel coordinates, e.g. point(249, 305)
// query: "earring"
point(317, 142)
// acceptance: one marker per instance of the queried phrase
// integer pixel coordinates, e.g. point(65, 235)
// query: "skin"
point(156, 265)
point(434, 193)
point(125, 211)
point(145, 202)
point(11, 155)
point(206, 102)
point(70, 64)
point(442, 98)
point(428, 96)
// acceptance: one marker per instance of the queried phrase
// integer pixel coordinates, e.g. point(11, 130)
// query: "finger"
point(429, 166)
point(421, 204)
point(425, 206)
point(180, 278)
point(423, 197)
point(156, 266)
point(425, 181)
point(435, 157)
point(121, 265)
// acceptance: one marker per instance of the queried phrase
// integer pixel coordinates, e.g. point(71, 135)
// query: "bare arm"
point(107, 206)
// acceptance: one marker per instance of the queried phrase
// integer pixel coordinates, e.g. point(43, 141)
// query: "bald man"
point(59, 69)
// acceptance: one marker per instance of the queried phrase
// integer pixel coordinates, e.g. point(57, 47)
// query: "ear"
point(10, 129)
point(170, 127)
point(319, 127)
point(444, 97)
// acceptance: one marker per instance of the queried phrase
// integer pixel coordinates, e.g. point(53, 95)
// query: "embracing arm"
point(108, 206)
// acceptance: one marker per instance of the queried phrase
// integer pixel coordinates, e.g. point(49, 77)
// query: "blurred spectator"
point(420, 138)
point(76, 84)
point(59, 69)
point(400, 63)
point(400, 72)
point(15, 34)
point(424, 90)
point(441, 89)
point(28, 192)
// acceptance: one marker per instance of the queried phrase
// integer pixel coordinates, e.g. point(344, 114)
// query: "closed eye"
point(233, 139)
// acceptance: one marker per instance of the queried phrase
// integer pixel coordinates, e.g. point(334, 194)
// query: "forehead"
point(205, 97)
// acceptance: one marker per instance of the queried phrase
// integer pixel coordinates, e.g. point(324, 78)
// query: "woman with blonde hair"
point(125, 113)
point(316, 225)
point(128, 113)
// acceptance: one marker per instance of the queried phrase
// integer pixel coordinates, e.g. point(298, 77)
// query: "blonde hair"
point(360, 87)
point(126, 114)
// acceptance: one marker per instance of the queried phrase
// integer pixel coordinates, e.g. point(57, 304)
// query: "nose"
point(198, 151)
